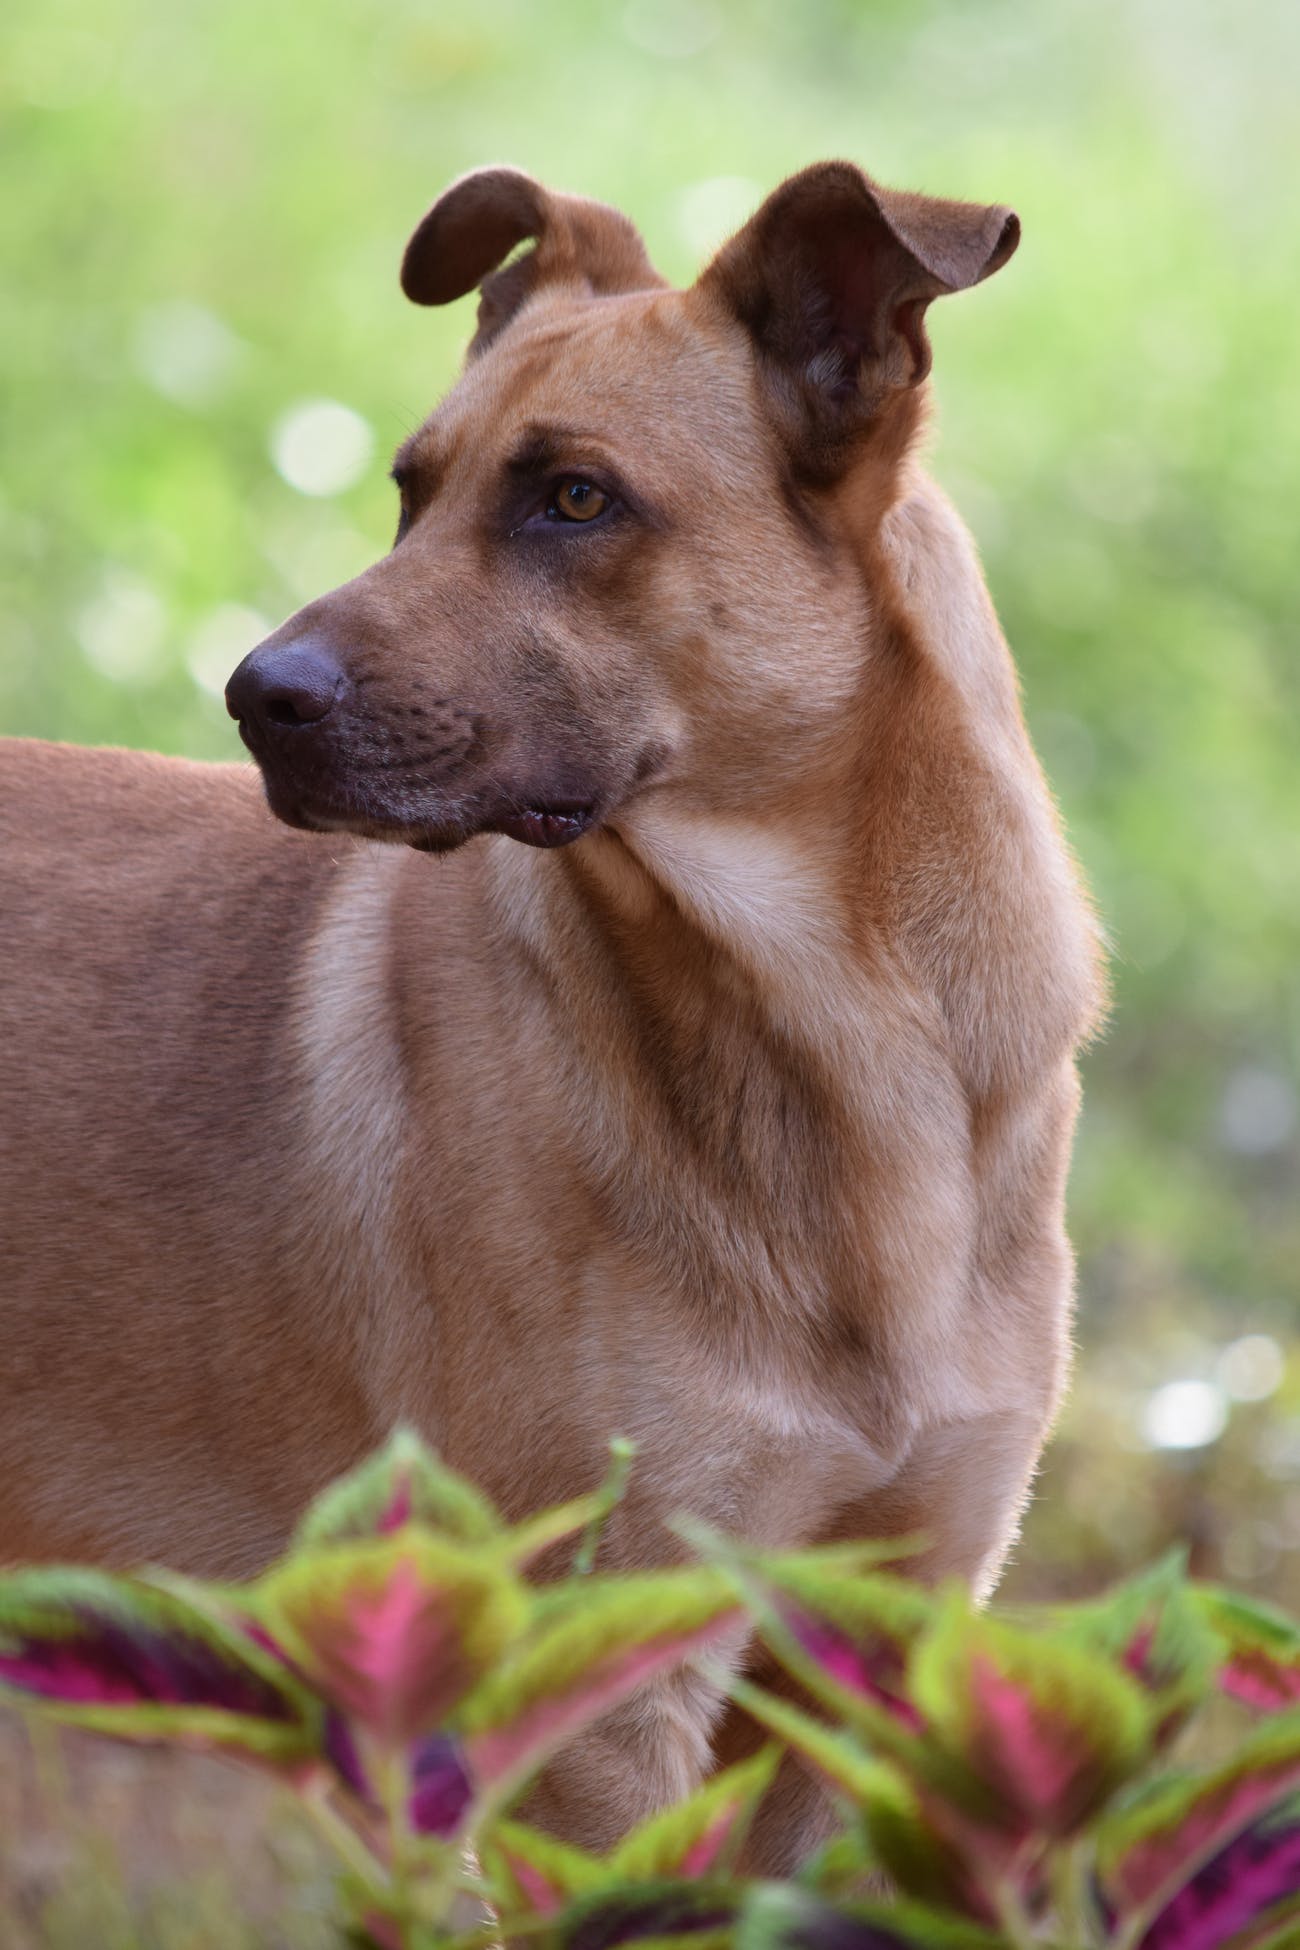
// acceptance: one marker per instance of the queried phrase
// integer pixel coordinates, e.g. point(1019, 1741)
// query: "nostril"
point(289, 710)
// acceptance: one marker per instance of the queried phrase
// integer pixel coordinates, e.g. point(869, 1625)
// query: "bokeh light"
point(1184, 1415)
point(321, 447)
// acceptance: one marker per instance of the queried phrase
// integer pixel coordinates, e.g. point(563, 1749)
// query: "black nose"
point(286, 684)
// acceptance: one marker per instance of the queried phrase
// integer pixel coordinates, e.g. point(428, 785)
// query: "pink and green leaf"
point(1252, 1878)
point(592, 1652)
point(834, 1753)
point(1153, 1628)
point(394, 1631)
point(143, 1663)
point(699, 1913)
point(528, 1870)
point(842, 1632)
point(1147, 1850)
point(404, 1482)
point(1031, 1734)
point(1260, 1665)
point(901, 1829)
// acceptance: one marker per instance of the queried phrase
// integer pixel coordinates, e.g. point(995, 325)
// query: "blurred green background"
point(205, 360)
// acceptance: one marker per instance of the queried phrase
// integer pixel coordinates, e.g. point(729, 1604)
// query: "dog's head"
point(629, 558)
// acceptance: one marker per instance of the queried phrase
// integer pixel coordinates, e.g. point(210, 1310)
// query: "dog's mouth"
point(552, 824)
point(310, 787)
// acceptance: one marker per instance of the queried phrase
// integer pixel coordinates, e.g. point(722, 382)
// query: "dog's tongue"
point(546, 825)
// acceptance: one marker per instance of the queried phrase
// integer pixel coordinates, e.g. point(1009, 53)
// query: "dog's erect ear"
point(474, 226)
point(832, 278)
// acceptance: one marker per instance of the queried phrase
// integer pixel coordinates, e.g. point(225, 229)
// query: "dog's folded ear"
point(832, 278)
point(474, 226)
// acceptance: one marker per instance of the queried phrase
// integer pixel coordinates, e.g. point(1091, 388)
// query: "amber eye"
point(578, 501)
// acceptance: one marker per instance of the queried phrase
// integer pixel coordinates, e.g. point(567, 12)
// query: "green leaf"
point(840, 1867)
point(833, 1752)
point(394, 1631)
point(404, 1482)
point(622, 1453)
point(530, 1871)
point(702, 1835)
point(1031, 1733)
point(1153, 1628)
point(527, 1540)
point(142, 1663)
point(784, 1916)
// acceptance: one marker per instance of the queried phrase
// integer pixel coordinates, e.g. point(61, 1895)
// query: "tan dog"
point(738, 1125)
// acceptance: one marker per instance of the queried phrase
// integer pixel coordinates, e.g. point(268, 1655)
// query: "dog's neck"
point(803, 1006)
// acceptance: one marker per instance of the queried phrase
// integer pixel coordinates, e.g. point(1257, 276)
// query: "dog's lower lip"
point(547, 825)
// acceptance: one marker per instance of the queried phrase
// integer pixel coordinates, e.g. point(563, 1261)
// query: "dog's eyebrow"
point(543, 447)
point(416, 457)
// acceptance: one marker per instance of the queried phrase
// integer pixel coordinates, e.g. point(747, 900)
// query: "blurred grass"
point(205, 210)
point(112, 1848)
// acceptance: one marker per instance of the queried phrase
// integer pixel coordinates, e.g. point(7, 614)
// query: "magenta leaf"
point(145, 1663)
point(1260, 1681)
point(1257, 1869)
point(441, 1789)
point(343, 1756)
point(873, 1667)
point(1146, 1850)
point(393, 1631)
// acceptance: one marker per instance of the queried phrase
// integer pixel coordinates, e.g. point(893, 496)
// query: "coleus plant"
point(1014, 1778)
point(1008, 1780)
point(398, 1667)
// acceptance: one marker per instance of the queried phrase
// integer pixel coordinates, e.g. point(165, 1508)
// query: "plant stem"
point(608, 1496)
point(397, 1786)
point(342, 1837)
point(1077, 1910)
point(1014, 1918)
